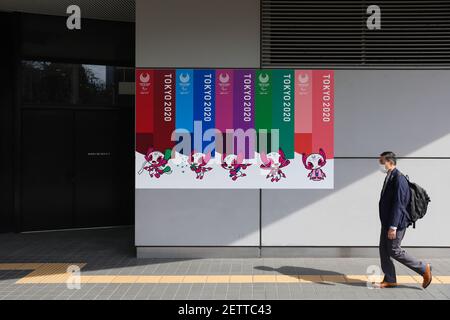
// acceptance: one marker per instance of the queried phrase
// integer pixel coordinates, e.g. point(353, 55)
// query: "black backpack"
point(418, 205)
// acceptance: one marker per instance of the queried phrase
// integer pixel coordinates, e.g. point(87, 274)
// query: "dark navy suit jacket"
point(394, 201)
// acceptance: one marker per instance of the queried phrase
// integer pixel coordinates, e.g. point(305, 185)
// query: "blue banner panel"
point(204, 110)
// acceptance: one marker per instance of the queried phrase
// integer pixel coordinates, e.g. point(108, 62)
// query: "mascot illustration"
point(233, 163)
point(314, 162)
point(156, 163)
point(274, 162)
point(198, 163)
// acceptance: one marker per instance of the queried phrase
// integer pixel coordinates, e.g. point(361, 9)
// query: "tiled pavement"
point(111, 271)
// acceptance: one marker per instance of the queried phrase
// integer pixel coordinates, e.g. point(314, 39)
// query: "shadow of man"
point(323, 277)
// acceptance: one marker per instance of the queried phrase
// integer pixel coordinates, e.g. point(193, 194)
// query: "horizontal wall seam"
point(287, 246)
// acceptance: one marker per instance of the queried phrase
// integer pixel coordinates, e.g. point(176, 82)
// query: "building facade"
point(386, 98)
point(377, 108)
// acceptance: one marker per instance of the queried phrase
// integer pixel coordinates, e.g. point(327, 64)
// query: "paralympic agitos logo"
point(224, 83)
point(144, 83)
point(263, 83)
point(185, 83)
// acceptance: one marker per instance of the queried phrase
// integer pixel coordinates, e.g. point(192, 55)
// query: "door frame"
point(19, 55)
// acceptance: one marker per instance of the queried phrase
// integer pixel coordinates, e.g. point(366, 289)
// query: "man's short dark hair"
point(389, 156)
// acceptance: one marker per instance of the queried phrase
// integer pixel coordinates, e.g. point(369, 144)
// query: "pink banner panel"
point(303, 111)
point(323, 112)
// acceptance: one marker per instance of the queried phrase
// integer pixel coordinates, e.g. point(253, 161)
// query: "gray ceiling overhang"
point(115, 10)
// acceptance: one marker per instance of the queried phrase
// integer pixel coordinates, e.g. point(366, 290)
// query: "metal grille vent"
point(334, 33)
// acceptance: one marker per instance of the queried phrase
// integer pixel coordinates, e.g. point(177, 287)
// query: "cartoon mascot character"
point(234, 164)
point(198, 163)
point(314, 162)
point(156, 163)
point(274, 162)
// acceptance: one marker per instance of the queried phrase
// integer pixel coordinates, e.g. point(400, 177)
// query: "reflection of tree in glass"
point(59, 83)
point(46, 82)
point(92, 88)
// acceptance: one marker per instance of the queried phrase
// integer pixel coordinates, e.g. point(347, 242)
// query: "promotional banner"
point(224, 109)
point(244, 113)
point(283, 110)
point(144, 108)
point(263, 109)
point(303, 111)
point(164, 109)
point(204, 111)
point(234, 128)
point(184, 111)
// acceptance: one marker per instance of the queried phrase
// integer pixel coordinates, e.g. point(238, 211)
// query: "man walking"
point(395, 196)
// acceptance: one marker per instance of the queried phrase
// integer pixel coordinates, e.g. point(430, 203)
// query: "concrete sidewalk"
point(34, 266)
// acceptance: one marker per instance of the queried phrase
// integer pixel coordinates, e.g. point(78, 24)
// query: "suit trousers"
point(392, 249)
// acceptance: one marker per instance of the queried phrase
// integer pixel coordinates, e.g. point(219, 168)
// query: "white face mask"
point(383, 168)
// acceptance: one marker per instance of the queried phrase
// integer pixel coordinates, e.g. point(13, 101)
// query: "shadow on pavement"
point(306, 273)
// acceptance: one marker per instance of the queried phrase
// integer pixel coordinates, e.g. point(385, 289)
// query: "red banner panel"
point(144, 109)
point(164, 109)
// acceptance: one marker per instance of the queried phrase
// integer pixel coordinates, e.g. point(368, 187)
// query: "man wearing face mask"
point(395, 197)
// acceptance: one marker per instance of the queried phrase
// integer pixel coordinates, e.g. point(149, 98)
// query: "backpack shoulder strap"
point(401, 174)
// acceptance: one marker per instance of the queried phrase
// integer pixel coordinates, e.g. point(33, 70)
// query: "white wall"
point(197, 217)
point(405, 111)
point(401, 110)
point(197, 33)
point(348, 215)
point(175, 33)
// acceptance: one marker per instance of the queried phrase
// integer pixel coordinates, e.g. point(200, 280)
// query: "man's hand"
point(392, 234)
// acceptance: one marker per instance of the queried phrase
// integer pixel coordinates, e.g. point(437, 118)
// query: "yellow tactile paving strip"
point(46, 273)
